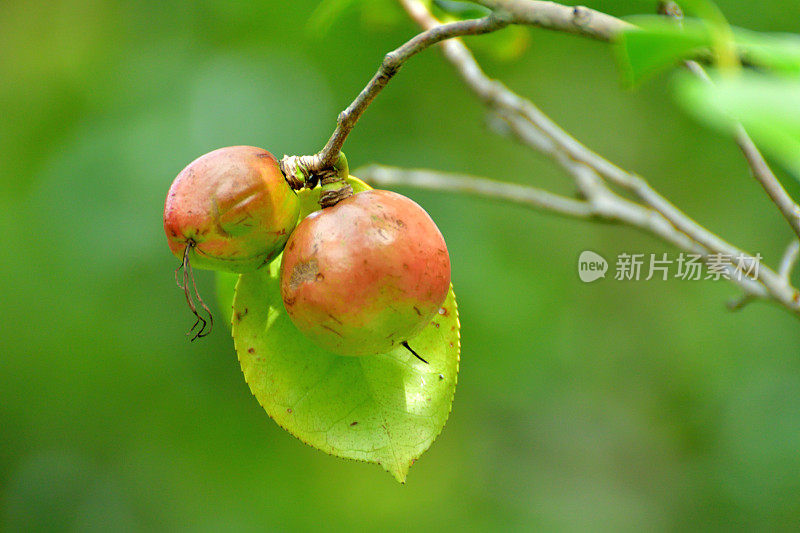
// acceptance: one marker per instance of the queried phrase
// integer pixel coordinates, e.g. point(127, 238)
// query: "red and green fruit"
point(231, 210)
point(365, 275)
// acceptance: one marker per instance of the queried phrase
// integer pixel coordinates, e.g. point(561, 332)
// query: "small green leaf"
point(779, 52)
point(385, 409)
point(767, 106)
point(722, 41)
point(658, 43)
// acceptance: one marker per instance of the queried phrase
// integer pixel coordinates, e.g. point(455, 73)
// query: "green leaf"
point(776, 51)
point(767, 106)
point(658, 43)
point(385, 409)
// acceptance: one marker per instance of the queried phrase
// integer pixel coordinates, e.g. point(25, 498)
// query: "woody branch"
point(592, 174)
point(595, 178)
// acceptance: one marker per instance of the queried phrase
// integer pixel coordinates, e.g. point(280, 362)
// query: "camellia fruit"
point(230, 209)
point(366, 274)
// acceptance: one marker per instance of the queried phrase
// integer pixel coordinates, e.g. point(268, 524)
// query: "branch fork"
point(594, 177)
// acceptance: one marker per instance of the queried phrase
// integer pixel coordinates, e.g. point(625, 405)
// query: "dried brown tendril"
point(192, 293)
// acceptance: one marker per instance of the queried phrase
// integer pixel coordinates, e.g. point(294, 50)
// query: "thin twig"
point(758, 165)
point(580, 20)
point(789, 259)
point(523, 195)
point(763, 173)
point(392, 62)
point(603, 204)
point(739, 303)
point(552, 16)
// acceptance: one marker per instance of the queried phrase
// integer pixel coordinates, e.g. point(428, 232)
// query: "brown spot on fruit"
point(302, 273)
point(353, 423)
point(289, 410)
point(320, 277)
point(443, 311)
point(251, 350)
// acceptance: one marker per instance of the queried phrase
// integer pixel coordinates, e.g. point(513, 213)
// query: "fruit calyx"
point(296, 171)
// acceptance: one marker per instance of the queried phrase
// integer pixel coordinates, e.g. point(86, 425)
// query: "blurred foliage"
point(658, 43)
point(606, 406)
point(768, 108)
point(765, 99)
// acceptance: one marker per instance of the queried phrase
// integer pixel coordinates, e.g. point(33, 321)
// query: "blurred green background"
point(612, 406)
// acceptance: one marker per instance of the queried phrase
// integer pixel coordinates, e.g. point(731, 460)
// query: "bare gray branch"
point(552, 16)
point(526, 196)
point(590, 171)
